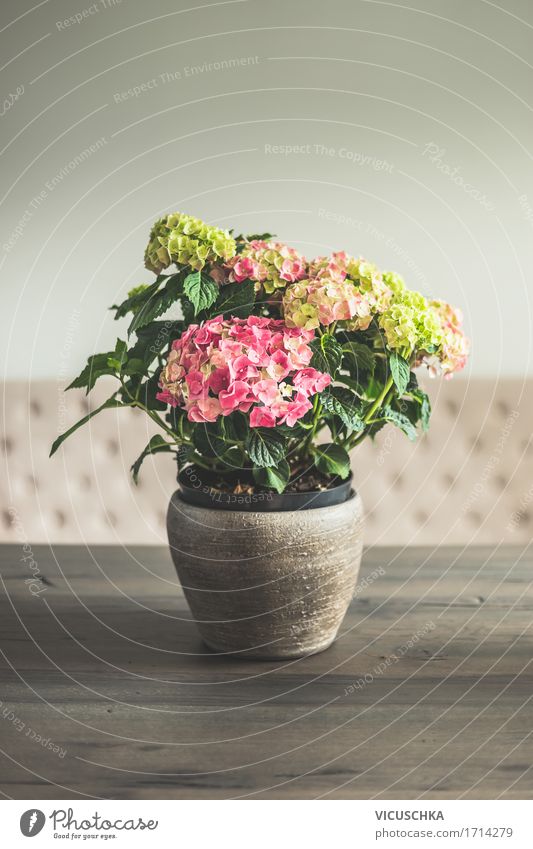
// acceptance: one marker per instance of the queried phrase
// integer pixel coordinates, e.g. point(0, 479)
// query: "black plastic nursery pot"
point(196, 487)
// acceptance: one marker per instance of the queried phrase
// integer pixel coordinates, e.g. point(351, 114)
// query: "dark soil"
point(312, 481)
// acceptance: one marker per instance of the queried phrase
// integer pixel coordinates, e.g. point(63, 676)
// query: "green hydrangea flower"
point(186, 241)
point(410, 323)
point(156, 256)
point(296, 309)
point(394, 281)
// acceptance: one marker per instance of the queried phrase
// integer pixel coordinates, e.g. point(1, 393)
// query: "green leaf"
point(209, 441)
point(400, 371)
point(235, 299)
point(265, 446)
point(352, 384)
point(110, 403)
point(256, 237)
point(241, 241)
point(184, 454)
point(119, 357)
point(153, 338)
point(363, 359)
point(374, 428)
point(135, 366)
point(426, 411)
point(187, 310)
point(425, 407)
point(373, 389)
point(156, 446)
point(96, 367)
point(148, 392)
point(344, 404)
point(158, 303)
point(135, 302)
point(275, 477)
point(201, 290)
point(327, 354)
point(331, 459)
point(401, 421)
point(178, 421)
point(235, 427)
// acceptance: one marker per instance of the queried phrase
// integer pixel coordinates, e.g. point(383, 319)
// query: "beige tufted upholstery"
point(469, 480)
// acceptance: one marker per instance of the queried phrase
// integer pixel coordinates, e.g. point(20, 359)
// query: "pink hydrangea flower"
point(289, 412)
point(339, 288)
point(311, 381)
point(205, 410)
point(270, 264)
point(255, 365)
point(262, 417)
point(238, 396)
point(455, 347)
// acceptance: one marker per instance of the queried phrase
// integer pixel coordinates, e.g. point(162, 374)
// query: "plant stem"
point(355, 439)
point(153, 415)
point(317, 412)
point(379, 400)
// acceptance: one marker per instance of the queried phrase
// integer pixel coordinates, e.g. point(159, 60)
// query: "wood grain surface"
point(106, 690)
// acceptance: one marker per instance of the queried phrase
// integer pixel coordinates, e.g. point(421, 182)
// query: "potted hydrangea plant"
point(261, 371)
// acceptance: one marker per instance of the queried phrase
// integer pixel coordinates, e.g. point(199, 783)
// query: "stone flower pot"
point(264, 580)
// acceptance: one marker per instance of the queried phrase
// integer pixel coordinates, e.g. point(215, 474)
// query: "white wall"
point(433, 107)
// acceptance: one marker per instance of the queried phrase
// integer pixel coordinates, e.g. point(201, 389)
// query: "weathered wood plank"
point(107, 691)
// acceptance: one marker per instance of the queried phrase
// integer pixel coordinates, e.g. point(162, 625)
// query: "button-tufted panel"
point(469, 480)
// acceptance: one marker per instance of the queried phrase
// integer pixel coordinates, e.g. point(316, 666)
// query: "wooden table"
point(108, 692)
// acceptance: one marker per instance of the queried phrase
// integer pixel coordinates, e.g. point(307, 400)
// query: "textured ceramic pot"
point(267, 584)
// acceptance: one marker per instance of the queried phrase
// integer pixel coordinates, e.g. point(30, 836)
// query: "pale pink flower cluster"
point(255, 365)
point(455, 346)
point(338, 288)
point(270, 264)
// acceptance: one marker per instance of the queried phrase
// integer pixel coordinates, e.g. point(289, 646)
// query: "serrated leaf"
point(265, 447)
point(374, 428)
point(400, 371)
point(97, 366)
point(184, 454)
point(148, 392)
point(257, 237)
point(363, 359)
point(134, 302)
point(135, 366)
point(327, 354)
point(331, 459)
point(426, 412)
point(242, 241)
point(158, 303)
point(373, 389)
point(425, 407)
point(119, 357)
point(352, 384)
point(110, 403)
point(275, 477)
point(156, 445)
point(201, 290)
point(344, 404)
point(177, 419)
point(208, 440)
point(400, 420)
point(235, 427)
point(154, 338)
point(234, 299)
